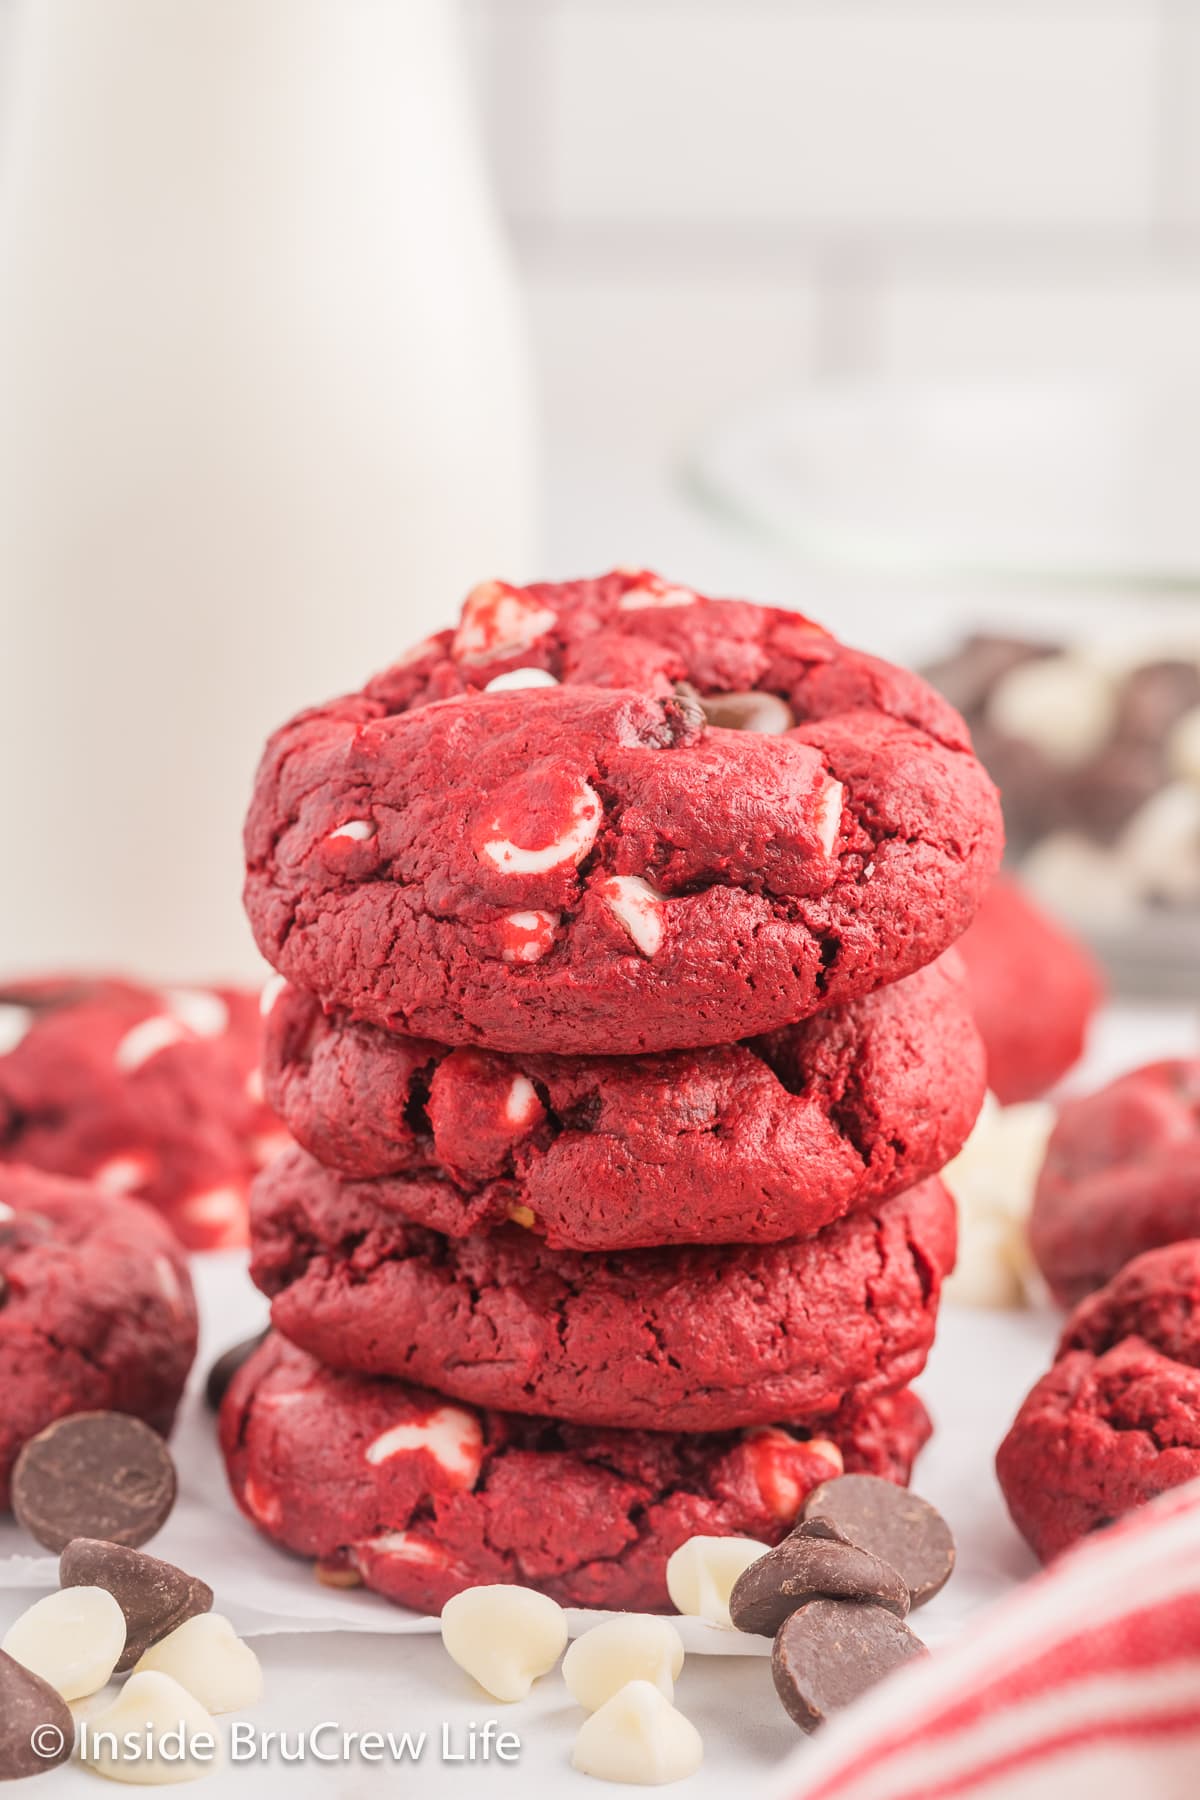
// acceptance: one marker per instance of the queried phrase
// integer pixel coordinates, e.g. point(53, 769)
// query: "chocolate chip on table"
point(829, 1652)
point(898, 1527)
point(37, 1731)
point(811, 1566)
point(766, 714)
point(226, 1367)
point(155, 1596)
point(99, 1475)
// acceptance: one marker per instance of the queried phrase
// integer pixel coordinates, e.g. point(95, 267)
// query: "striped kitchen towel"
point(1084, 1684)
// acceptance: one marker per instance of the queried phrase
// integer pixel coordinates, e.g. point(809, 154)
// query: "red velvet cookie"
point(606, 865)
point(145, 1092)
point(1117, 1419)
point(1121, 1175)
point(745, 1143)
point(1034, 989)
point(96, 1309)
point(421, 1498)
point(682, 1339)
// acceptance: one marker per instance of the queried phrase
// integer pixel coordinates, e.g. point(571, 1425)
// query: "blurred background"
point(312, 312)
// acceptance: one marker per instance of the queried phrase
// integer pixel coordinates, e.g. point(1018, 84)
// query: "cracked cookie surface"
point(96, 1309)
point(741, 1143)
point(685, 1338)
point(594, 866)
point(1116, 1421)
point(418, 1497)
point(150, 1092)
point(1121, 1175)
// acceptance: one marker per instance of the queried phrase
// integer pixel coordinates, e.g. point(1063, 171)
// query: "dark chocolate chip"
point(829, 1652)
point(689, 711)
point(3, 1290)
point(820, 1527)
point(1154, 697)
point(155, 1596)
point(226, 1367)
point(98, 1475)
point(37, 1731)
point(898, 1527)
point(766, 714)
point(810, 1567)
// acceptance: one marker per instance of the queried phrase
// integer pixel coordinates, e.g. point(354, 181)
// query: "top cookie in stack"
point(614, 816)
point(606, 1027)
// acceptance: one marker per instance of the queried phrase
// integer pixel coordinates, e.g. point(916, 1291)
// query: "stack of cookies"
point(614, 1024)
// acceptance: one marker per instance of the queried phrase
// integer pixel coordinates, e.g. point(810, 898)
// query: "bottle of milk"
point(265, 418)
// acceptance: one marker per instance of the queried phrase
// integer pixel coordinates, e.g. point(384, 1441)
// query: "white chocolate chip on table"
point(701, 1574)
point(73, 1639)
point(504, 1637)
point(206, 1656)
point(630, 1647)
point(151, 1703)
point(993, 1178)
point(637, 1736)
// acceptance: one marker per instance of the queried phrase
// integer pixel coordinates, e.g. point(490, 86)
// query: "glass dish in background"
point(1036, 548)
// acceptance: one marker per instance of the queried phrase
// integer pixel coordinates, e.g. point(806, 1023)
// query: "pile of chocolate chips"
point(835, 1594)
point(1073, 747)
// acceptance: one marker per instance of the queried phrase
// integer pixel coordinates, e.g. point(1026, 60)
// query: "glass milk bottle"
point(265, 418)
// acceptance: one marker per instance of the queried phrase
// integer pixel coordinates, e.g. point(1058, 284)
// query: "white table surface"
point(981, 1367)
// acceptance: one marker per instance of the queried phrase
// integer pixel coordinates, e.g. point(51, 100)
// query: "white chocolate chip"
point(121, 1174)
point(206, 1656)
point(1063, 705)
point(829, 816)
point(505, 1637)
point(701, 1574)
point(6, 1212)
point(521, 1104)
point(498, 621)
point(254, 1087)
point(631, 1647)
point(144, 1040)
point(520, 678)
point(992, 1179)
point(638, 907)
point(73, 1639)
point(405, 1546)
point(15, 1022)
point(215, 1206)
point(357, 830)
point(1161, 844)
point(168, 1282)
point(266, 1508)
point(530, 935)
point(453, 1438)
point(1183, 747)
point(175, 1735)
point(199, 1009)
point(272, 989)
point(638, 1737)
point(572, 846)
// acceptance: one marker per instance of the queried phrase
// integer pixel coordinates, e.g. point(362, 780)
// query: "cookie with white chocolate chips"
point(151, 1092)
point(687, 1338)
point(425, 1497)
point(610, 864)
point(96, 1309)
point(733, 1144)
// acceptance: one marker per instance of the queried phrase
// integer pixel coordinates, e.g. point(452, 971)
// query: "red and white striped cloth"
point(1082, 1685)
